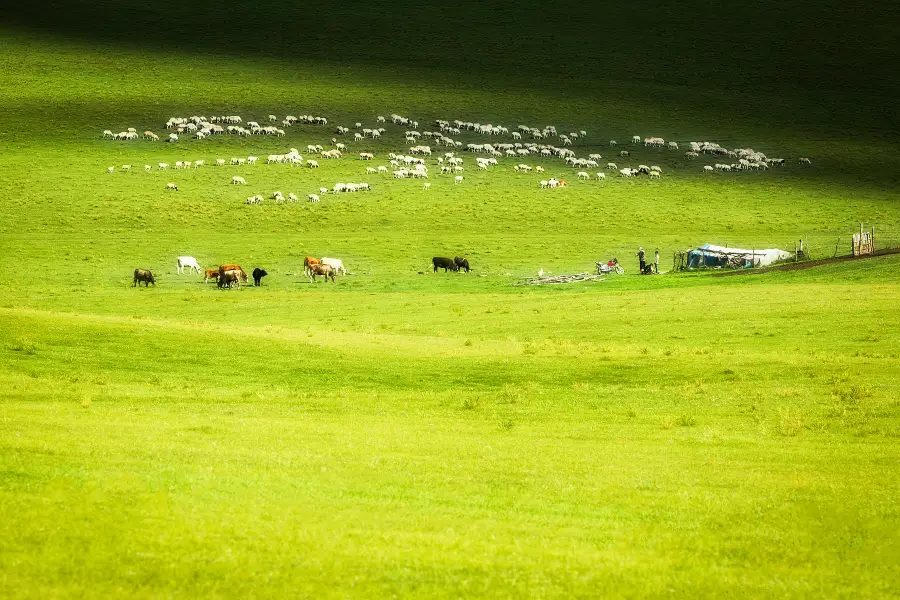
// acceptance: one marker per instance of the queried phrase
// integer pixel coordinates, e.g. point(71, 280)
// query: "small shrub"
point(645, 350)
point(467, 343)
point(631, 413)
point(853, 394)
point(85, 402)
point(506, 423)
point(511, 394)
point(790, 423)
point(471, 403)
point(668, 423)
point(24, 345)
point(687, 421)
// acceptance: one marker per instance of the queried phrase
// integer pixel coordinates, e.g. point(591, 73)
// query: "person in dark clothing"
point(641, 259)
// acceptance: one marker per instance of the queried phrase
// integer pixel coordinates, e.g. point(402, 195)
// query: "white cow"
point(186, 262)
point(336, 264)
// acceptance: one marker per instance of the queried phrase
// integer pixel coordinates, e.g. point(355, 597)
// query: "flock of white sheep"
point(412, 164)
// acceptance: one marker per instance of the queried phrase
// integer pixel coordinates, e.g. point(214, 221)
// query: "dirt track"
point(809, 264)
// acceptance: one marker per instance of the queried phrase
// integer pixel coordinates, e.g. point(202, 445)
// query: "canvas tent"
point(708, 255)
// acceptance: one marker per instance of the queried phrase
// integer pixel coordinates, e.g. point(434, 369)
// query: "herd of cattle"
point(231, 275)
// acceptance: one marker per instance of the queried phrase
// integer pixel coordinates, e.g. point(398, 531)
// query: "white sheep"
point(111, 170)
point(251, 160)
point(148, 168)
point(601, 176)
point(163, 166)
point(708, 168)
point(236, 180)
point(323, 190)
point(805, 161)
point(611, 166)
point(654, 174)
point(313, 197)
point(458, 179)
point(426, 187)
point(613, 143)
point(292, 197)
point(312, 164)
point(171, 187)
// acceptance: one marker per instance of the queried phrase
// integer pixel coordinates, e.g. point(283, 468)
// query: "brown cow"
point(319, 269)
point(230, 279)
point(211, 274)
point(233, 267)
point(308, 262)
point(145, 276)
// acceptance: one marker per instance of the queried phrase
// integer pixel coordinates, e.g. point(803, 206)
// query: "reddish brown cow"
point(308, 262)
point(211, 274)
point(233, 267)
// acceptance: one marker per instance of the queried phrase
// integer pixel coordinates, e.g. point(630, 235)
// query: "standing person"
point(656, 261)
point(641, 259)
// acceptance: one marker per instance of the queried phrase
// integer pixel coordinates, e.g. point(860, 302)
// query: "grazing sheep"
point(251, 160)
point(312, 164)
point(636, 139)
point(708, 168)
point(107, 133)
point(654, 174)
point(323, 190)
point(171, 187)
point(544, 184)
point(313, 197)
point(371, 170)
point(601, 176)
point(111, 170)
point(426, 187)
point(624, 153)
point(613, 143)
point(163, 166)
point(805, 161)
point(126, 167)
point(458, 179)
point(611, 166)
point(583, 175)
point(236, 180)
point(173, 137)
point(148, 168)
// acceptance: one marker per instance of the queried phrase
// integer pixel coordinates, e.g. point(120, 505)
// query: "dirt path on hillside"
point(809, 264)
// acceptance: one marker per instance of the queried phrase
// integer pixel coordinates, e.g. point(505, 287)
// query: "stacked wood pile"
point(561, 279)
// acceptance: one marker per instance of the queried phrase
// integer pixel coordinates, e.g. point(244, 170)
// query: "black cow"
point(461, 263)
point(258, 274)
point(145, 276)
point(442, 262)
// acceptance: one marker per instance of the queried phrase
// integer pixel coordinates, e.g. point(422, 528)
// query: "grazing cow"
point(335, 263)
point(442, 262)
point(145, 276)
point(258, 274)
point(232, 267)
point(461, 263)
point(320, 269)
point(186, 262)
point(308, 262)
point(229, 279)
point(210, 274)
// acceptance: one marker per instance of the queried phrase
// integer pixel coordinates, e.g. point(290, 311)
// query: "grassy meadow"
point(401, 433)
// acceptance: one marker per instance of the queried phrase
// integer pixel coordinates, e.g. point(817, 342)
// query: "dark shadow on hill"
point(838, 50)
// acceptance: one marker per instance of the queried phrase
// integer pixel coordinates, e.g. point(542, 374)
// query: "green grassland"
point(401, 433)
